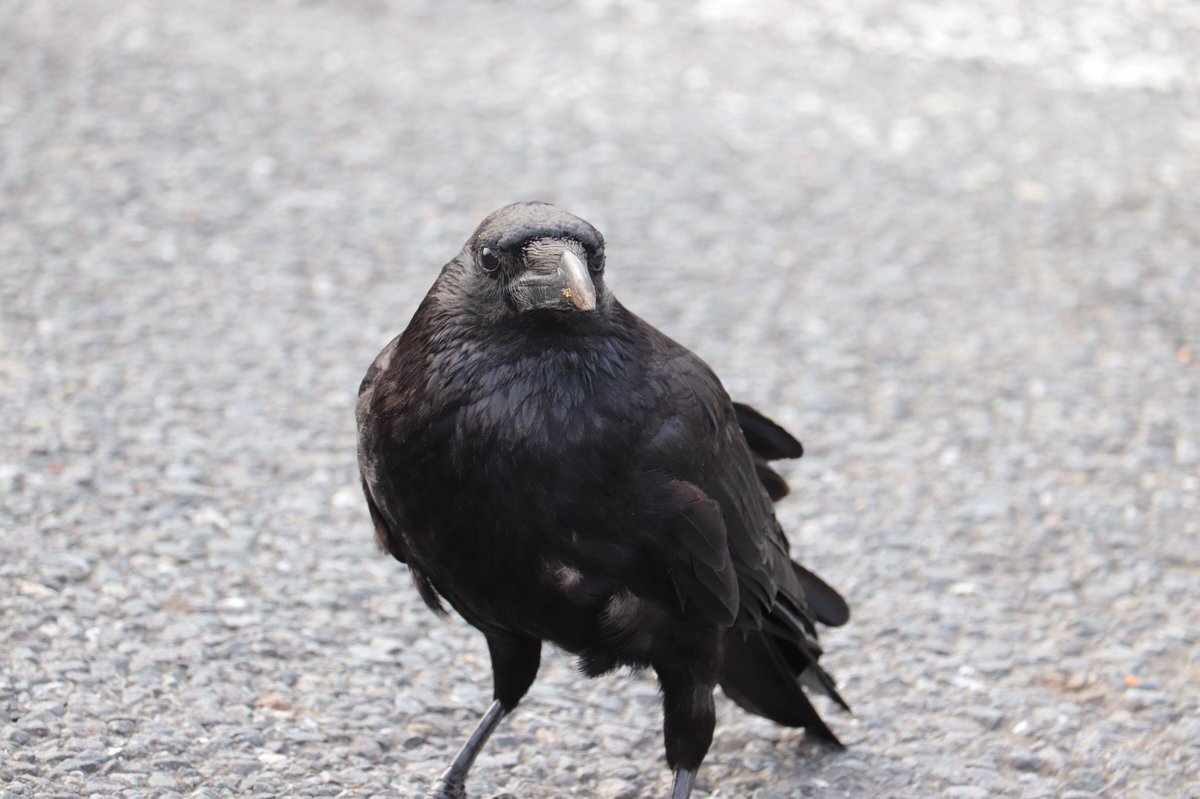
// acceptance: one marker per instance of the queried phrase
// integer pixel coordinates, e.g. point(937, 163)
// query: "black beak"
point(569, 287)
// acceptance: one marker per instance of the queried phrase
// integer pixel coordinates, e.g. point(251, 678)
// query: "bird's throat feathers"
point(554, 371)
point(474, 349)
point(512, 387)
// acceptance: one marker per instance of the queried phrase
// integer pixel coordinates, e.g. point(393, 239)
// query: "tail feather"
point(758, 677)
point(777, 488)
point(826, 604)
point(766, 438)
point(817, 679)
point(767, 668)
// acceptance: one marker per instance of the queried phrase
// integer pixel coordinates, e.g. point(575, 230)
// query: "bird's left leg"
point(688, 721)
point(514, 665)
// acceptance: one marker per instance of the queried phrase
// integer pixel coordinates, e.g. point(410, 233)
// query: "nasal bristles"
point(542, 255)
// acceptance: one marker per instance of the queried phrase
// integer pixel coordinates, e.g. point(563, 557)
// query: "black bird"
point(558, 470)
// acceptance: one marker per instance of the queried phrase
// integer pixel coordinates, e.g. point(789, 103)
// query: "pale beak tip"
point(580, 300)
point(579, 291)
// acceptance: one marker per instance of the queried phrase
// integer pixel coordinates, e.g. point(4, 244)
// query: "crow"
point(556, 469)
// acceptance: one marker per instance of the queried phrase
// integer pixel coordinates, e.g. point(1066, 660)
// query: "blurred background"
point(953, 246)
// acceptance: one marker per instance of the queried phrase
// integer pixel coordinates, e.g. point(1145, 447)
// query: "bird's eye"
point(489, 260)
point(596, 263)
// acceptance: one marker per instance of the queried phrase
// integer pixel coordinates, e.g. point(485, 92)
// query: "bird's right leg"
point(514, 665)
point(689, 717)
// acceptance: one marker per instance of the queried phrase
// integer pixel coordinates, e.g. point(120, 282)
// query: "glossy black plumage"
point(555, 469)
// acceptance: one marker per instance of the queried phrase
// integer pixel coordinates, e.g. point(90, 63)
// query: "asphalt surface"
point(954, 247)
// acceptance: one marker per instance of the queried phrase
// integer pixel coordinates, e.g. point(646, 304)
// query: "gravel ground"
point(955, 247)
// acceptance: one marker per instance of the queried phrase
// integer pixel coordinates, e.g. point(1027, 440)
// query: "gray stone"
point(1027, 761)
point(966, 792)
point(34, 725)
point(366, 747)
point(86, 764)
point(162, 780)
point(616, 788)
point(121, 726)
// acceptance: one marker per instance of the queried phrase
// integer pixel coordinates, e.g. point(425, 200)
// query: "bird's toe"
point(445, 789)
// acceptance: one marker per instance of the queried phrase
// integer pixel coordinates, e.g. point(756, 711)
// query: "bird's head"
point(535, 259)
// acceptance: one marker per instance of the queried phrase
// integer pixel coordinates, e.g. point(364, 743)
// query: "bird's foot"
point(447, 789)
